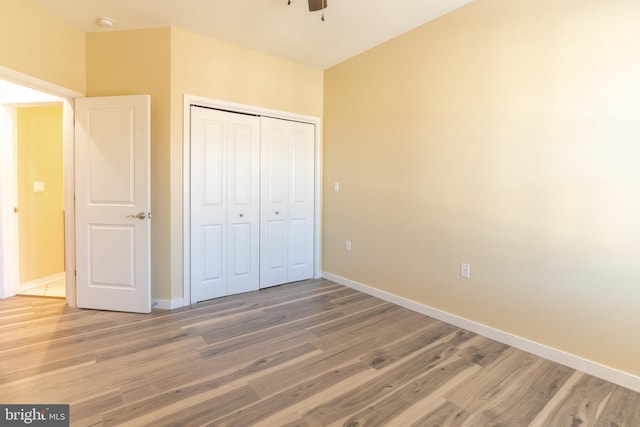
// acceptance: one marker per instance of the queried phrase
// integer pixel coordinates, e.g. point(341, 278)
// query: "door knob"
point(241, 215)
point(139, 215)
point(277, 212)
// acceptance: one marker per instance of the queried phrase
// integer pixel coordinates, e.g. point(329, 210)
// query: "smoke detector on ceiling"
point(105, 22)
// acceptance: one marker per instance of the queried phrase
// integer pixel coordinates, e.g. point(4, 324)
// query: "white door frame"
point(199, 101)
point(8, 261)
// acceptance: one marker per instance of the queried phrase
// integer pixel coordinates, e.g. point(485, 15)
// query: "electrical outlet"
point(465, 270)
point(347, 245)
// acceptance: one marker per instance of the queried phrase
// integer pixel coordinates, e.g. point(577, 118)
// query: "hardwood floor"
point(312, 353)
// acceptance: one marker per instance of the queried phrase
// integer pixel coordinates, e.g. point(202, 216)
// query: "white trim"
point(8, 200)
point(69, 171)
point(190, 100)
point(40, 281)
point(247, 109)
point(186, 199)
point(67, 96)
point(37, 84)
point(612, 375)
point(167, 304)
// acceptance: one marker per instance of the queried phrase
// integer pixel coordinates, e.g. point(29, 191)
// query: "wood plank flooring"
point(311, 353)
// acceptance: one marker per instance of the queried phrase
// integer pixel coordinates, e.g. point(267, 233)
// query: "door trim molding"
point(68, 96)
point(38, 84)
point(168, 304)
point(9, 262)
point(200, 101)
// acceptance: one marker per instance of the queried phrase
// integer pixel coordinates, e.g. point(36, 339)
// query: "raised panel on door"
point(213, 255)
point(301, 201)
point(274, 253)
point(112, 203)
point(243, 212)
point(274, 215)
point(208, 205)
point(120, 271)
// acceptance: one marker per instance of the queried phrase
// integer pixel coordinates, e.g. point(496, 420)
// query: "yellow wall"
point(39, 45)
point(41, 215)
point(133, 63)
point(213, 69)
point(504, 134)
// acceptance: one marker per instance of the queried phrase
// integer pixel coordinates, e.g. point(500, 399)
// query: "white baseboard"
point(167, 304)
point(40, 282)
point(572, 361)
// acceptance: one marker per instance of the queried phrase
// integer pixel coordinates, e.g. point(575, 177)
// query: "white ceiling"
point(270, 26)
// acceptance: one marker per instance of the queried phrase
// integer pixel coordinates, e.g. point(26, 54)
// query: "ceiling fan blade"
point(317, 5)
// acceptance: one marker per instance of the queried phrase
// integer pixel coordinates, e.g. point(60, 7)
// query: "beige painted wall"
point(39, 45)
point(213, 69)
point(504, 134)
point(41, 215)
point(135, 63)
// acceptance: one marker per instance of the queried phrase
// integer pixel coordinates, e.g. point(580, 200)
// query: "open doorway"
point(40, 208)
point(33, 223)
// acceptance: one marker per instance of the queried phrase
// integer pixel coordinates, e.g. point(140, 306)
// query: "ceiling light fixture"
point(105, 22)
point(315, 5)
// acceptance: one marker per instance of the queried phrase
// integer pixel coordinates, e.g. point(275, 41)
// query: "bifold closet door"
point(225, 203)
point(287, 201)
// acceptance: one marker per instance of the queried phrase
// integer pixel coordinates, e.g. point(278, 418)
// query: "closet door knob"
point(277, 212)
point(241, 215)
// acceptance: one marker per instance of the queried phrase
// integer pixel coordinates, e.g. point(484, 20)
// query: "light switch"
point(465, 270)
point(38, 187)
point(336, 186)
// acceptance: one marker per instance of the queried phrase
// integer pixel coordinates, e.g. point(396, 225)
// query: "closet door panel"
point(208, 205)
point(301, 202)
point(287, 207)
point(243, 211)
point(274, 203)
point(225, 203)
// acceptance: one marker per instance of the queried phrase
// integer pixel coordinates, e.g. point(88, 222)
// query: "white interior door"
point(287, 201)
point(225, 162)
point(112, 142)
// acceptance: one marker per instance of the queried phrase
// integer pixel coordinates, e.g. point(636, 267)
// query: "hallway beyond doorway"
point(54, 286)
